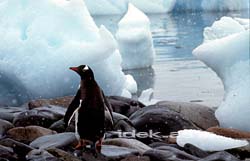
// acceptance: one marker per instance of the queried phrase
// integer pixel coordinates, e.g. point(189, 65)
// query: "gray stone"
point(117, 153)
point(129, 143)
point(41, 117)
point(28, 133)
point(125, 106)
point(203, 117)
point(54, 141)
point(179, 153)
point(40, 155)
point(191, 149)
point(121, 122)
point(220, 156)
point(8, 113)
point(136, 158)
point(87, 156)
point(62, 155)
point(7, 153)
point(57, 111)
point(4, 127)
point(59, 126)
point(168, 154)
point(19, 148)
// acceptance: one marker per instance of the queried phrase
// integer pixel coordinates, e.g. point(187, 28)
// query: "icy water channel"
point(176, 75)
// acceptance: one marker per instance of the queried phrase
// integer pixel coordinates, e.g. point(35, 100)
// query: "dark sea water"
point(176, 74)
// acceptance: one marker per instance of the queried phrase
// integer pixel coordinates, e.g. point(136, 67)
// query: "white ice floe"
point(40, 40)
point(146, 97)
point(226, 51)
point(131, 84)
point(208, 141)
point(135, 40)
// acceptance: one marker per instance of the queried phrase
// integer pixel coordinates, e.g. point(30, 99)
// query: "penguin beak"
point(74, 69)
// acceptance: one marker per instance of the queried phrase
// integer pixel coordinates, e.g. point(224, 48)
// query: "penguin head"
point(84, 71)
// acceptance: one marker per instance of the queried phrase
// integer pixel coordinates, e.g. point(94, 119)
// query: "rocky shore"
point(35, 132)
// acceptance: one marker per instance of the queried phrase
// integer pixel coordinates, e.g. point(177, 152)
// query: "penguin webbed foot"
point(81, 145)
point(98, 146)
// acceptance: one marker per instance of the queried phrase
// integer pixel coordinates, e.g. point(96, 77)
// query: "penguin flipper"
point(72, 108)
point(108, 108)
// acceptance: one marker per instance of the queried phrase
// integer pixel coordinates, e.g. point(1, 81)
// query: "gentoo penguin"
point(88, 106)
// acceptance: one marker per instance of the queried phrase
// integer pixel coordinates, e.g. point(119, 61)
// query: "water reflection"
point(145, 77)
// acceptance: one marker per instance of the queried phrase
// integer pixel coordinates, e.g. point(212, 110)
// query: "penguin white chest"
point(76, 121)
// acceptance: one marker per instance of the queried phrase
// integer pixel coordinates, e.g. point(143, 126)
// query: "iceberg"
point(156, 6)
point(226, 50)
point(211, 5)
point(41, 39)
point(120, 7)
point(107, 7)
point(135, 40)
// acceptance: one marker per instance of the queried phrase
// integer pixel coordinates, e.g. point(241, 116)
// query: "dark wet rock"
point(41, 117)
point(193, 150)
point(8, 113)
point(168, 155)
point(6, 116)
point(121, 122)
point(88, 156)
point(63, 155)
point(40, 155)
point(119, 104)
point(57, 111)
point(136, 158)
point(117, 153)
point(203, 117)
point(58, 126)
point(241, 152)
point(125, 106)
point(129, 143)
point(61, 101)
point(159, 119)
point(177, 152)
point(3, 159)
point(7, 153)
point(232, 133)
point(19, 148)
point(4, 127)
point(54, 141)
point(159, 144)
point(28, 133)
point(220, 156)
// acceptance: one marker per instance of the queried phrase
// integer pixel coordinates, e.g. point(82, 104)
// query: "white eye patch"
point(85, 68)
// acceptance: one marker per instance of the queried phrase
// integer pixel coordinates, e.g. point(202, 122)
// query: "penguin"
point(88, 106)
